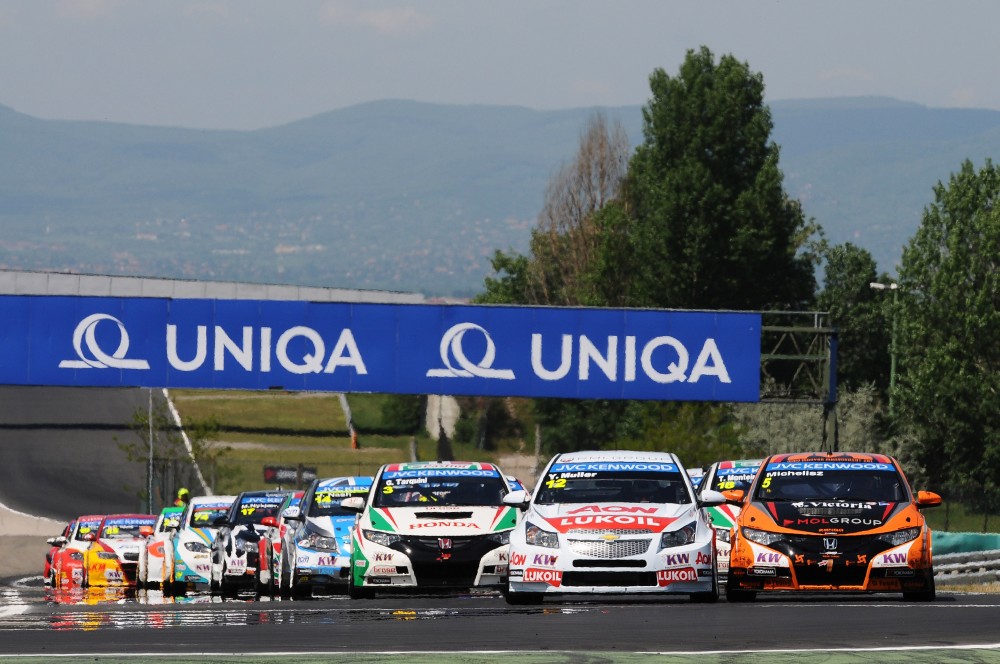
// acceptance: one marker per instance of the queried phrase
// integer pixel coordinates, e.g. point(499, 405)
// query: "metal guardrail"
point(967, 568)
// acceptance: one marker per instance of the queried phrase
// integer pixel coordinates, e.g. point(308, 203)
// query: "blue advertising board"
point(384, 348)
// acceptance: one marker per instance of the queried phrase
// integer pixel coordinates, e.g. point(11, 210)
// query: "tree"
point(567, 235)
point(859, 313)
point(712, 227)
point(948, 387)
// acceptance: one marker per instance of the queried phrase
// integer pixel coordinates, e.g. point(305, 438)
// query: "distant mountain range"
point(407, 196)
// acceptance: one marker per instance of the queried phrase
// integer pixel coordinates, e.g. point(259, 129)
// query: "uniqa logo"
point(86, 333)
point(619, 359)
point(451, 347)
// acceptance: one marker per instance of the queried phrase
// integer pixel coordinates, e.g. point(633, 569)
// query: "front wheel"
point(523, 599)
point(928, 595)
point(358, 592)
point(709, 597)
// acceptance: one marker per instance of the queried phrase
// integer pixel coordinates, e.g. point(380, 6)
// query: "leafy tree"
point(859, 313)
point(404, 412)
point(948, 386)
point(712, 227)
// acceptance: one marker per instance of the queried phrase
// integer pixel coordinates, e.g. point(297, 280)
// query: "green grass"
point(259, 429)
point(953, 517)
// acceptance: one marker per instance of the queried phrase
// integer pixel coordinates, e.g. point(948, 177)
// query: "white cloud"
point(386, 21)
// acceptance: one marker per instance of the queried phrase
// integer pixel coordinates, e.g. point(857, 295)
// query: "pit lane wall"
point(966, 558)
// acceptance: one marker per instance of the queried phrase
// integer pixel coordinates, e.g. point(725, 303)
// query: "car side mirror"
point(711, 498)
point(269, 521)
point(353, 504)
point(145, 531)
point(293, 513)
point(519, 499)
point(734, 496)
point(927, 499)
point(89, 537)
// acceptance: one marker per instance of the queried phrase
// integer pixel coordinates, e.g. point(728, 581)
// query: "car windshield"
point(733, 476)
point(327, 503)
point(613, 482)
point(871, 482)
point(204, 516)
point(418, 488)
point(123, 528)
point(86, 528)
point(253, 509)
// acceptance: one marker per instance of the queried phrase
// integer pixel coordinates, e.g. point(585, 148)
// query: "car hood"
point(640, 517)
point(123, 545)
point(834, 516)
point(442, 520)
point(338, 527)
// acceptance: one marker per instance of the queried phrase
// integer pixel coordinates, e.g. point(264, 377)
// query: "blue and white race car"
point(187, 554)
point(316, 545)
point(612, 522)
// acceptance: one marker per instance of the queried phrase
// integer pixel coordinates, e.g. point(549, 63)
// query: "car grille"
point(609, 531)
point(605, 550)
point(609, 579)
point(831, 511)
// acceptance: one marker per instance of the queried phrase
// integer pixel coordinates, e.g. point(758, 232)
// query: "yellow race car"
point(113, 557)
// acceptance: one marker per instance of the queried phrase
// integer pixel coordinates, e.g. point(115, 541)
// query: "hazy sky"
point(246, 64)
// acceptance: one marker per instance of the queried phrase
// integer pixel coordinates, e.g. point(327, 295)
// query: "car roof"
point(343, 482)
point(442, 465)
point(616, 455)
point(828, 457)
point(201, 501)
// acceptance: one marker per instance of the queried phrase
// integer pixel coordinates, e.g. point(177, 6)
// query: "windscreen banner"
point(383, 348)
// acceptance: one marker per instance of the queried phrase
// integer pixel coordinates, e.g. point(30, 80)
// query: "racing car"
point(431, 525)
point(612, 522)
point(838, 521)
point(152, 570)
point(188, 552)
point(240, 541)
point(113, 558)
point(67, 561)
point(315, 553)
point(55, 543)
point(727, 476)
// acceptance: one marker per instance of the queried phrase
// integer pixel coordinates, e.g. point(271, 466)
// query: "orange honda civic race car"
point(831, 522)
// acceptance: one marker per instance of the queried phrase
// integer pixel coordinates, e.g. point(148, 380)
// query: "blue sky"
point(246, 64)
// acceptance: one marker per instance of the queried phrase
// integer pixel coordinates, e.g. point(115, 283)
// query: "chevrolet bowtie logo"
point(609, 537)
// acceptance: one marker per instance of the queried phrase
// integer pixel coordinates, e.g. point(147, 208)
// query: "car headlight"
point(317, 541)
point(503, 538)
point(76, 555)
point(196, 547)
point(539, 537)
point(762, 536)
point(377, 536)
point(107, 555)
point(899, 536)
point(722, 534)
point(678, 537)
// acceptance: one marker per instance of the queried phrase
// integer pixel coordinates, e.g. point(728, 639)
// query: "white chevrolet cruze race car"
point(612, 522)
point(431, 525)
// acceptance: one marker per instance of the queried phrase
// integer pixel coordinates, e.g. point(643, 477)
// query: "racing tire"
point(356, 592)
point(928, 595)
point(523, 599)
point(142, 571)
point(734, 595)
point(710, 597)
point(285, 579)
